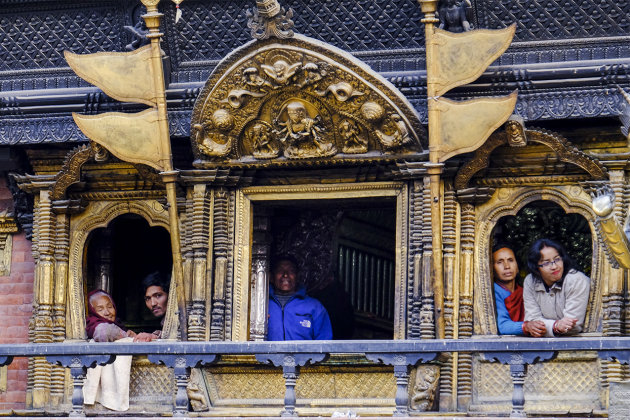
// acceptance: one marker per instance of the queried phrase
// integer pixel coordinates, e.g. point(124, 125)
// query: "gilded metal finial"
point(268, 19)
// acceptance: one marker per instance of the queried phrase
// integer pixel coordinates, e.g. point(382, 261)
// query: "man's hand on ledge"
point(145, 337)
point(534, 328)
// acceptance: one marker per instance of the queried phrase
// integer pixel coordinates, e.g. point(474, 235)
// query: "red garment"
point(93, 319)
point(514, 304)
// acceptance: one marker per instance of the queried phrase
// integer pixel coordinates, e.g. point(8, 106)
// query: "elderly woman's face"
point(550, 265)
point(104, 307)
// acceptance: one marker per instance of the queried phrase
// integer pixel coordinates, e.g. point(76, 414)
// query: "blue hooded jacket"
point(303, 318)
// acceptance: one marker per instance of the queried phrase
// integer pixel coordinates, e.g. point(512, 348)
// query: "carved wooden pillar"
point(199, 236)
point(416, 210)
point(62, 249)
point(104, 269)
point(188, 256)
point(467, 243)
point(449, 243)
point(44, 274)
point(259, 281)
point(427, 307)
point(31, 323)
point(220, 251)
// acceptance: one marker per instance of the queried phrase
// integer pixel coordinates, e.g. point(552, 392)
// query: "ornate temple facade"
point(329, 131)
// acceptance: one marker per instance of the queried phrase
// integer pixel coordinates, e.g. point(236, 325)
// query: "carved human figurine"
point(454, 15)
point(352, 141)
point(196, 396)
point(301, 134)
point(515, 130)
point(424, 388)
point(252, 78)
point(262, 142)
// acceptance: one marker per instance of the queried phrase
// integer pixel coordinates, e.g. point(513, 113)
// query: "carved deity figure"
point(252, 78)
point(312, 74)
point(352, 140)
point(424, 388)
point(454, 15)
point(196, 396)
point(301, 134)
point(281, 71)
point(262, 142)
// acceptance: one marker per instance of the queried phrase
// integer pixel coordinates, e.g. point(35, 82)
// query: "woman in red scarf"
point(101, 323)
point(508, 295)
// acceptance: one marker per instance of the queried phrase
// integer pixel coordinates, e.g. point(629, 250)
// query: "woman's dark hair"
point(275, 260)
point(500, 245)
point(155, 279)
point(534, 257)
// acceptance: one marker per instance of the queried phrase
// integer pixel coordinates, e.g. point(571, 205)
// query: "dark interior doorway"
point(346, 252)
point(119, 256)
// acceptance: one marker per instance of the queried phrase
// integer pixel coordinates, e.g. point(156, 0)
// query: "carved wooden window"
point(546, 219)
point(117, 259)
point(324, 231)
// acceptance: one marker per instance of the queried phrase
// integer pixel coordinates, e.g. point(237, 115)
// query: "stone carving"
point(455, 15)
point(425, 385)
point(301, 133)
point(263, 143)
point(353, 141)
point(215, 139)
point(195, 391)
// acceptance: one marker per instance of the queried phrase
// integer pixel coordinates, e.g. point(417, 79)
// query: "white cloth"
point(109, 384)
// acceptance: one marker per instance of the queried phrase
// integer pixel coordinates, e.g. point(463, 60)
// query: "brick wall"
point(16, 301)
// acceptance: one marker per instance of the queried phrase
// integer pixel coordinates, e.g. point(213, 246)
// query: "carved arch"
point(508, 202)
point(565, 150)
point(297, 98)
point(70, 172)
point(99, 215)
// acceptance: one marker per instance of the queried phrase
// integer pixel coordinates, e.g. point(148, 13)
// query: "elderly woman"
point(101, 323)
point(554, 292)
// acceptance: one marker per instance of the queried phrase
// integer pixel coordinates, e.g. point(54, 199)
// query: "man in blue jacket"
point(292, 314)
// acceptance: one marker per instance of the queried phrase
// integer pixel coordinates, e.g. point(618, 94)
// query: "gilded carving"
point(298, 99)
point(424, 387)
point(264, 145)
point(8, 226)
point(563, 149)
point(353, 140)
point(213, 137)
point(70, 172)
point(302, 133)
